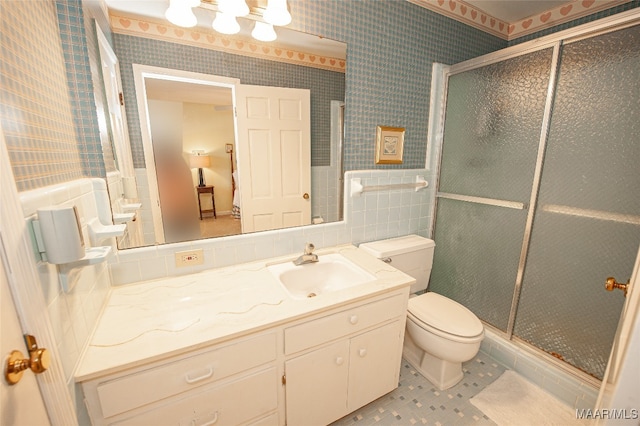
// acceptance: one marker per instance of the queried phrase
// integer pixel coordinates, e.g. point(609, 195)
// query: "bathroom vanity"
point(233, 346)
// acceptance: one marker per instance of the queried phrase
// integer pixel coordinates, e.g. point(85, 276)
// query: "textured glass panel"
point(595, 129)
point(591, 169)
point(564, 308)
point(492, 128)
point(476, 257)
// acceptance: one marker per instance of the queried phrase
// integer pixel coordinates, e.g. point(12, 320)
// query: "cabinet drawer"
point(235, 403)
point(340, 324)
point(135, 390)
point(271, 420)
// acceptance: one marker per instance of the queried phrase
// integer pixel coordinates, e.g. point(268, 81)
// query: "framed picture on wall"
point(389, 145)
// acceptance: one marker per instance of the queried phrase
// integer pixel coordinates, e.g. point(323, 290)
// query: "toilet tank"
point(412, 254)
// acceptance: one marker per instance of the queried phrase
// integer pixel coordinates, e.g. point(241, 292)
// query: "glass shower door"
point(492, 132)
point(587, 222)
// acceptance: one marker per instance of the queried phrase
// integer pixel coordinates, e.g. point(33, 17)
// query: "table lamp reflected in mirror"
point(198, 160)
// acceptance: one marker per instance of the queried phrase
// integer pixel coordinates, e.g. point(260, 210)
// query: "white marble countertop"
point(153, 320)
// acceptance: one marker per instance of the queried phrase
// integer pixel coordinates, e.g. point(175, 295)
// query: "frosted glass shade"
point(277, 13)
point(180, 14)
point(226, 23)
point(263, 32)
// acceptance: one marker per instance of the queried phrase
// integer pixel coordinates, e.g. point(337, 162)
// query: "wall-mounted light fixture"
point(227, 12)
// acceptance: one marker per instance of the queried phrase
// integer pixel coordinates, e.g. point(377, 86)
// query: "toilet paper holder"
point(59, 240)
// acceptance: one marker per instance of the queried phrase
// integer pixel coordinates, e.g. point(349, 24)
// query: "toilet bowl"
point(441, 334)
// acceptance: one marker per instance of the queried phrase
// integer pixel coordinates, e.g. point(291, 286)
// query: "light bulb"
point(263, 32)
point(233, 7)
point(277, 13)
point(226, 24)
point(180, 14)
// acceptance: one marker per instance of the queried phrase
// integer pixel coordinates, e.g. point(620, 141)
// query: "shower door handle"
point(611, 284)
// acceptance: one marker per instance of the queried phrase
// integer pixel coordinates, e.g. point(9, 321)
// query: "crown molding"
point(466, 13)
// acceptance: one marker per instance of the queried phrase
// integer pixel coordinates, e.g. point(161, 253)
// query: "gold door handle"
point(305, 196)
point(39, 360)
point(610, 284)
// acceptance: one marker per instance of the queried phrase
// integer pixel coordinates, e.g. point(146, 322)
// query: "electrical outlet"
point(189, 258)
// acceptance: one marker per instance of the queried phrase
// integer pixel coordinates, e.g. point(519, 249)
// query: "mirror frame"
point(142, 72)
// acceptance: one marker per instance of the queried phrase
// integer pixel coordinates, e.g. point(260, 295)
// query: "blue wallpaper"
point(75, 39)
point(35, 108)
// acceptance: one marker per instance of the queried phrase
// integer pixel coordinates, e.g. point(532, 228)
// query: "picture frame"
point(389, 145)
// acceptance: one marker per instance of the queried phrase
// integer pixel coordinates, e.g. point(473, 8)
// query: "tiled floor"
point(416, 401)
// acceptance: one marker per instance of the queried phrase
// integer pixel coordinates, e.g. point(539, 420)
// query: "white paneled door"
point(274, 157)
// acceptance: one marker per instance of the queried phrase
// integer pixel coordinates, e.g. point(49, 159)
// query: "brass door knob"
point(39, 361)
point(305, 196)
point(611, 284)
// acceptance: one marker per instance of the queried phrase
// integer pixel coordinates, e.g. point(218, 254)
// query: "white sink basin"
point(332, 272)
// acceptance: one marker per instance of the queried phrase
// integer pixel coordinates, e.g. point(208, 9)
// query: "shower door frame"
point(436, 135)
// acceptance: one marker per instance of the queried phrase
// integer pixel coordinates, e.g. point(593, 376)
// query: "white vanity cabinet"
point(347, 360)
point(209, 387)
point(261, 358)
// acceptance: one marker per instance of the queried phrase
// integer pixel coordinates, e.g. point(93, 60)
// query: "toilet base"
point(442, 374)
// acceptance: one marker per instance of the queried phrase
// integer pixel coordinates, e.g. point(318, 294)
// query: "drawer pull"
point(209, 423)
point(353, 319)
point(339, 360)
point(206, 375)
point(362, 352)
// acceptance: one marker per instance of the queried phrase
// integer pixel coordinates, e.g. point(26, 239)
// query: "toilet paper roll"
point(61, 234)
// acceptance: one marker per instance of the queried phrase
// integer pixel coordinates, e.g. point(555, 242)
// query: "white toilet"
point(441, 333)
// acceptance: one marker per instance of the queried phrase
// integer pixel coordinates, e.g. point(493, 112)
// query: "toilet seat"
point(445, 317)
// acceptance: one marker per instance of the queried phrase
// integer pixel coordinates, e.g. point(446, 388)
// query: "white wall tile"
point(74, 314)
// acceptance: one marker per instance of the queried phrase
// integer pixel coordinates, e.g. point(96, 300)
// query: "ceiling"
point(179, 91)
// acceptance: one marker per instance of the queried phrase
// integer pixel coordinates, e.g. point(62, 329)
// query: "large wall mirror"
point(183, 122)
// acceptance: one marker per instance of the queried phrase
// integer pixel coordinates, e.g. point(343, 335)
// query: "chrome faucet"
point(307, 257)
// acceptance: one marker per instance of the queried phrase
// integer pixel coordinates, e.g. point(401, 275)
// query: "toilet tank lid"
point(396, 246)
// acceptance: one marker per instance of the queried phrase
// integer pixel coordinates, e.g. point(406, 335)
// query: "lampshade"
point(263, 32)
point(226, 23)
point(199, 161)
point(277, 13)
point(180, 14)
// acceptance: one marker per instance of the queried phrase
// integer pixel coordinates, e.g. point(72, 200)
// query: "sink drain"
point(311, 295)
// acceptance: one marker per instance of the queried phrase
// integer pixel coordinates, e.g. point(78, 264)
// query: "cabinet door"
point(316, 388)
point(374, 364)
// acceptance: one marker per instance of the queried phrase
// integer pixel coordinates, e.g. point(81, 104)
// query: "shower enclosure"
point(538, 197)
